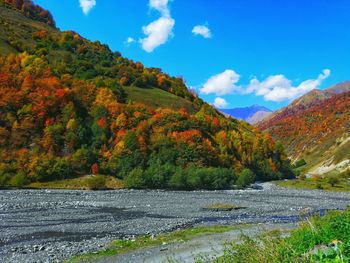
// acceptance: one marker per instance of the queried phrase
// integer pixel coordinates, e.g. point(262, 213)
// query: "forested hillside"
point(315, 127)
point(70, 107)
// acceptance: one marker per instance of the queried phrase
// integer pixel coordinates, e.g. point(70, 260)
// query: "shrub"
point(62, 169)
point(82, 160)
point(158, 176)
point(245, 178)
point(333, 180)
point(302, 177)
point(41, 169)
point(299, 163)
point(5, 175)
point(135, 179)
point(4, 179)
point(319, 186)
point(19, 180)
point(97, 182)
point(209, 178)
point(179, 180)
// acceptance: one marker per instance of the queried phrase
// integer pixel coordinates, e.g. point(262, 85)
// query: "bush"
point(135, 179)
point(209, 178)
point(82, 160)
point(179, 180)
point(19, 180)
point(299, 163)
point(302, 177)
point(62, 169)
point(41, 169)
point(4, 179)
point(158, 176)
point(245, 178)
point(333, 180)
point(97, 182)
point(319, 186)
point(5, 175)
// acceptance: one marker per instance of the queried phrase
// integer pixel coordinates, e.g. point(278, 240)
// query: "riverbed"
point(53, 225)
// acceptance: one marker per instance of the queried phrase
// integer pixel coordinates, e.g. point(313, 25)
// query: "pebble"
point(32, 221)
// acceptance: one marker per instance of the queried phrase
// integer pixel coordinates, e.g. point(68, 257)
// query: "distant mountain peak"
point(339, 88)
point(251, 114)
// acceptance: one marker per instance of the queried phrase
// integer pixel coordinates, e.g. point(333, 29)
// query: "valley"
point(104, 158)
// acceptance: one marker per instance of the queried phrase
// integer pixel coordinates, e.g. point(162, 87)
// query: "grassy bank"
point(81, 183)
point(124, 246)
point(322, 184)
point(311, 242)
point(330, 182)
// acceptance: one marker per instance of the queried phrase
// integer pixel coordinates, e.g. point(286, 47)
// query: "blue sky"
point(244, 52)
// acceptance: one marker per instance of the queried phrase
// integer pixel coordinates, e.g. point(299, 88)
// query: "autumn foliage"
point(59, 126)
point(31, 10)
point(302, 128)
point(64, 112)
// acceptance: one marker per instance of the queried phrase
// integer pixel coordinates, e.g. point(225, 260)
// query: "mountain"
point(310, 99)
point(70, 107)
point(252, 114)
point(315, 127)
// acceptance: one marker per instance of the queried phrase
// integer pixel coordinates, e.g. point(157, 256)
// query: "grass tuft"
point(124, 246)
point(81, 183)
point(221, 207)
point(321, 239)
point(331, 182)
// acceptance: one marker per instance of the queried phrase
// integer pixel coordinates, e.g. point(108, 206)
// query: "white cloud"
point(221, 84)
point(161, 6)
point(201, 30)
point(130, 40)
point(279, 88)
point(220, 103)
point(159, 31)
point(87, 5)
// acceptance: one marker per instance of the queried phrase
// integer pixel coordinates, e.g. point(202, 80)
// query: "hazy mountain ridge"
point(252, 114)
point(311, 98)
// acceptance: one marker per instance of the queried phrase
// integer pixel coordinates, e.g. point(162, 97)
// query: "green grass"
point(310, 242)
point(221, 206)
point(5, 48)
point(81, 183)
point(16, 29)
point(124, 246)
point(343, 186)
point(323, 183)
point(158, 98)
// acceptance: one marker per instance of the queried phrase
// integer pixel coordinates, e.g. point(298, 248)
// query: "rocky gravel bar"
point(54, 225)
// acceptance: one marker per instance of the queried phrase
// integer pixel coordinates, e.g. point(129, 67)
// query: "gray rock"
point(65, 223)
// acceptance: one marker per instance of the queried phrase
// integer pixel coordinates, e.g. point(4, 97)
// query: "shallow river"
point(52, 225)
